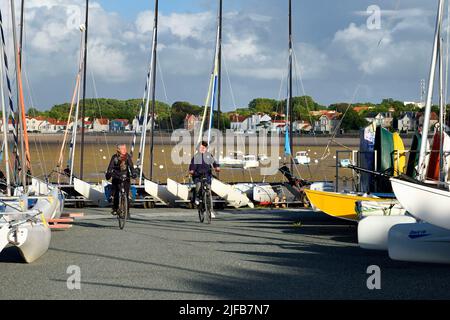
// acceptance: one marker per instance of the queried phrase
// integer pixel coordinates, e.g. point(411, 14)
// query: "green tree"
point(263, 105)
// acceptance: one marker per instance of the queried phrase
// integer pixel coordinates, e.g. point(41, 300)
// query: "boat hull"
point(424, 202)
point(93, 192)
point(338, 205)
point(419, 242)
point(231, 195)
point(178, 190)
point(36, 243)
point(160, 192)
point(373, 231)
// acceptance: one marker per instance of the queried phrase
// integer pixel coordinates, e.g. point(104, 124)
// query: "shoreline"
point(165, 139)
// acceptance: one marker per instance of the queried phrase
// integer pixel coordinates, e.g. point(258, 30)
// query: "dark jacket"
point(114, 170)
point(202, 164)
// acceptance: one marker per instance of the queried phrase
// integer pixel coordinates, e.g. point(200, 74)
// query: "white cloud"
point(380, 52)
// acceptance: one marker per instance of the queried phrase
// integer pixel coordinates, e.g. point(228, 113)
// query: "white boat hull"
point(231, 195)
point(423, 202)
point(93, 192)
point(373, 231)
point(178, 190)
point(39, 187)
point(29, 231)
point(264, 193)
point(160, 192)
point(419, 242)
point(37, 242)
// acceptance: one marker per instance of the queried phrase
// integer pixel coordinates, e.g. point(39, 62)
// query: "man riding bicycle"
point(201, 165)
point(120, 169)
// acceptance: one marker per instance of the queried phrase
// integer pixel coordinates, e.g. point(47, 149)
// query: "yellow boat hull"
point(338, 205)
point(399, 156)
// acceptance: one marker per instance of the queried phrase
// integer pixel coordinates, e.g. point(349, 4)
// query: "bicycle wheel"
point(201, 211)
point(207, 204)
point(122, 213)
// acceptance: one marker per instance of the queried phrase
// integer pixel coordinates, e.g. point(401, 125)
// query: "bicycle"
point(204, 206)
point(123, 212)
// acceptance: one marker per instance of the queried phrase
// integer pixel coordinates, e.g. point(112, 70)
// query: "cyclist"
point(120, 169)
point(202, 164)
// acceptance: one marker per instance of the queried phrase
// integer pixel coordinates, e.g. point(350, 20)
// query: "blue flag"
point(287, 145)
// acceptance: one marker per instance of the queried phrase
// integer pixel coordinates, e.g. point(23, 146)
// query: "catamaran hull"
point(93, 192)
point(178, 190)
point(33, 239)
point(419, 242)
point(160, 193)
point(37, 242)
point(41, 188)
point(232, 196)
point(423, 202)
point(373, 231)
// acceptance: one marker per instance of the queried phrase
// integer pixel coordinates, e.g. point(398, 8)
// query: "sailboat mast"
point(155, 45)
point(441, 109)
point(10, 102)
point(22, 119)
point(290, 116)
point(22, 6)
point(83, 109)
point(219, 68)
point(5, 125)
point(426, 117)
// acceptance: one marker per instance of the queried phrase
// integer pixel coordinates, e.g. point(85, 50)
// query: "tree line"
point(172, 116)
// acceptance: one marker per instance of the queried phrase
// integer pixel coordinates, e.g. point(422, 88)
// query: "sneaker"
point(114, 212)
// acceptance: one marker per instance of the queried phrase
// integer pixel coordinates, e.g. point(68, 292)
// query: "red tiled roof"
point(102, 121)
point(360, 108)
point(237, 118)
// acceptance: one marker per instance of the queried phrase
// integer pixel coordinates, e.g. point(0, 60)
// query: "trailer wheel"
point(148, 204)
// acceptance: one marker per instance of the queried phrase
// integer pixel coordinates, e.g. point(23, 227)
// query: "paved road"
point(258, 254)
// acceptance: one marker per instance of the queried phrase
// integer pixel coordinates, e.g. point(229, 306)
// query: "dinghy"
point(338, 205)
point(425, 202)
point(373, 231)
point(419, 242)
point(301, 157)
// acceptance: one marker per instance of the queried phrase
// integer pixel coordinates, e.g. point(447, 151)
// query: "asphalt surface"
point(251, 254)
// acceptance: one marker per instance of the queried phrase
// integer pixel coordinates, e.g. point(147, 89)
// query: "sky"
point(339, 55)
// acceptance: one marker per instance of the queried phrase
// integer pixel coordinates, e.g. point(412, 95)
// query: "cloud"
point(381, 52)
point(332, 54)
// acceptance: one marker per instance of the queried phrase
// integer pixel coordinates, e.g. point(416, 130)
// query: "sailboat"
point(21, 226)
point(94, 193)
point(158, 192)
point(65, 174)
point(408, 237)
point(382, 154)
point(425, 199)
point(231, 194)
